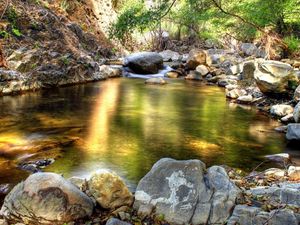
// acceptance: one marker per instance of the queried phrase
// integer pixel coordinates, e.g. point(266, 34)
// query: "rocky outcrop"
point(274, 77)
point(53, 49)
point(109, 190)
point(248, 215)
point(144, 62)
point(184, 193)
point(46, 198)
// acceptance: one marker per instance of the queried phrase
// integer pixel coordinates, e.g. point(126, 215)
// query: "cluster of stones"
point(246, 80)
point(178, 192)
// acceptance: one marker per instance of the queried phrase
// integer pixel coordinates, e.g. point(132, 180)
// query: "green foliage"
point(136, 17)
point(65, 60)
point(12, 15)
point(64, 5)
point(4, 34)
point(243, 20)
point(16, 32)
point(293, 43)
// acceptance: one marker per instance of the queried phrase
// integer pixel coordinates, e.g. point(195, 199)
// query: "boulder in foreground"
point(46, 198)
point(185, 194)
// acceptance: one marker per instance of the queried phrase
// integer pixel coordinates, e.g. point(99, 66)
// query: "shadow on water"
point(124, 125)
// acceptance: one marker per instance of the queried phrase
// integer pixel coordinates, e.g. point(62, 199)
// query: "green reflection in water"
point(127, 126)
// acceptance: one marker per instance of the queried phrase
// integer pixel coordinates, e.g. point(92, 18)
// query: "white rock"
point(281, 110)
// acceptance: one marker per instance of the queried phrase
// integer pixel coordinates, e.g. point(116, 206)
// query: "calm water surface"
point(124, 125)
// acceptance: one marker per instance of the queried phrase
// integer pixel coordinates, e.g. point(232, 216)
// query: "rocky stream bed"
point(173, 192)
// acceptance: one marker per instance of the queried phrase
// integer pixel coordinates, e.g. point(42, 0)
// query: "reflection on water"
point(127, 126)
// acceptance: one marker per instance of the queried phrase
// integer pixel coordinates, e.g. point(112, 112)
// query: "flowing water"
point(125, 125)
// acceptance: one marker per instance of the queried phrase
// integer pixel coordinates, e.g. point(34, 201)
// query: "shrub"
point(292, 42)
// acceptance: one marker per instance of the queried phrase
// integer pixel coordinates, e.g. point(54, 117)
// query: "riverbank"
point(173, 192)
point(272, 86)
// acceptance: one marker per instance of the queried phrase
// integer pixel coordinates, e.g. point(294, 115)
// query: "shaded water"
point(127, 126)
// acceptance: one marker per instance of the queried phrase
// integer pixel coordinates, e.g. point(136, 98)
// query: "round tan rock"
point(109, 190)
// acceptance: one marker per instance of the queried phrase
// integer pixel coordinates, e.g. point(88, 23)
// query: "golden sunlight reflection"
point(104, 109)
point(159, 116)
point(11, 139)
point(202, 147)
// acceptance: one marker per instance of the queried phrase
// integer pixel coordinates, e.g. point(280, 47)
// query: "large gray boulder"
point(144, 62)
point(274, 77)
point(293, 132)
point(184, 193)
point(46, 198)
point(169, 55)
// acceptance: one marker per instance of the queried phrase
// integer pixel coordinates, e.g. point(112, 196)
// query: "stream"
point(125, 125)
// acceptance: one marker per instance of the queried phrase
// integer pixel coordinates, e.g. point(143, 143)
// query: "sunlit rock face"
point(274, 77)
point(109, 189)
point(185, 194)
point(105, 13)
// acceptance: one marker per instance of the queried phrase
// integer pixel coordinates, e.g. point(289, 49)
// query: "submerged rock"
point(156, 80)
point(46, 198)
point(183, 193)
point(193, 75)
point(280, 158)
point(172, 74)
point(144, 62)
point(109, 190)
